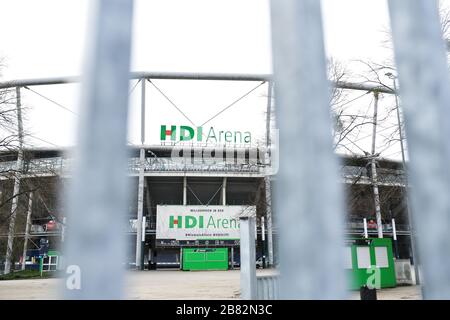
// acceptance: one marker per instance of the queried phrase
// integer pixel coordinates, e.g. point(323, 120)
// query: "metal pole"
point(143, 111)
point(27, 230)
point(98, 195)
point(140, 208)
point(63, 230)
point(309, 200)
point(263, 238)
point(224, 191)
point(184, 190)
point(376, 193)
point(268, 112)
point(141, 178)
point(405, 172)
point(142, 242)
point(248, 258)
point(232, 258)
point(16, 189)
point(400, 129)
point(150, 214)
point(269, 221)
point(366, 234)
point(424, 81)
point(268, 190)
point(181, 258)
point(394, 230)
point(394, 238)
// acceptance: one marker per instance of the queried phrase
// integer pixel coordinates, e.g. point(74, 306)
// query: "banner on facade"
point(200, 222)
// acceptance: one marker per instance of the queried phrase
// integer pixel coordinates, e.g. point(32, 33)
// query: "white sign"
point(200, 222)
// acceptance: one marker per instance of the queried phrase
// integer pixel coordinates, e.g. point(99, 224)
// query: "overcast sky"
point(46, 38)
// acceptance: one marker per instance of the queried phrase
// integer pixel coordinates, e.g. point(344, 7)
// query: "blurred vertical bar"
point(98, 194)
point(424, 87)
point(268, 189)
point(308, 198)
point(247, 226)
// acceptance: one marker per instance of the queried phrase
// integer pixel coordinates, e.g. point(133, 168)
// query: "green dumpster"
point(205, 259)
point(370, 262)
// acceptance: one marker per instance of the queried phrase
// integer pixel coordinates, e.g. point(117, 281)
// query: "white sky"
point(46, 38)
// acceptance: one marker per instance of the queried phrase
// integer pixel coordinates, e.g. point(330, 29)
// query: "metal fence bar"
point(307, 196)
point(268, 190)
point(247, 226)
point(424, 87)
point(98, 195)
point(267, 287)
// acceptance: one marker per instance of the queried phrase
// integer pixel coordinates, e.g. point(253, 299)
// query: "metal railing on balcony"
point(59, 166)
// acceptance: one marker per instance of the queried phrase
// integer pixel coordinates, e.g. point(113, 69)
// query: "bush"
point(28, 274)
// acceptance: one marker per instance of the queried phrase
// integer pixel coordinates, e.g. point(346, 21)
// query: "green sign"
point(207, 135)
point(190, 223)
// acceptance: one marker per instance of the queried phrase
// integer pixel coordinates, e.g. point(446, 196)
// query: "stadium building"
point(198, 178)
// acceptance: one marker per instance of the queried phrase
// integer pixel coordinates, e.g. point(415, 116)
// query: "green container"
point(205, 259)
point(368, 257)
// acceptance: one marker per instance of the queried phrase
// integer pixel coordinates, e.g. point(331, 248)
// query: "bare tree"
point(8, 124)
point(45, 189)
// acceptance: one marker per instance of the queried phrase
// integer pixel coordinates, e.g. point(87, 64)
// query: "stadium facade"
point(203, 177)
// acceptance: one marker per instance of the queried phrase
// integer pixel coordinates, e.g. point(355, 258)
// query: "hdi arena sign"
point(200, 134)
point(199, 222)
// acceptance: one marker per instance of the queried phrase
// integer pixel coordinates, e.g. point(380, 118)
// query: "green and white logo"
point(207, 135)
point(199, 222)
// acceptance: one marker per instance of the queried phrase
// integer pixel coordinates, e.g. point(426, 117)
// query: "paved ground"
point(170, 284)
